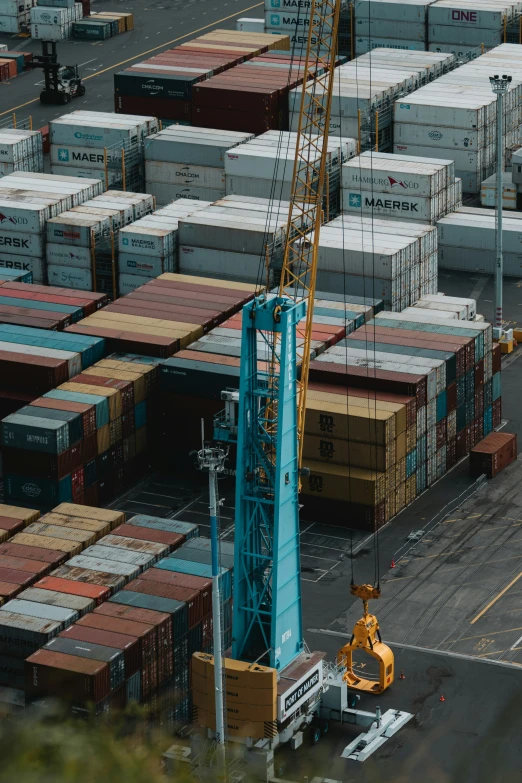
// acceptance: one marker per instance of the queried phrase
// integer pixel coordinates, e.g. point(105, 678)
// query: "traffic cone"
point(442, 697)
point(392, 563)
point(401, 676)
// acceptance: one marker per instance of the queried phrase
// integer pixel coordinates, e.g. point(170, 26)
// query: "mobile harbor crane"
point(266, 417)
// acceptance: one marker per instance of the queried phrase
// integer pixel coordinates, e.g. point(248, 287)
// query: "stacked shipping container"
point(84, 441)
point(44, 307)
point(20, 150)
point(162, 86)
point(450, 368)
point(166, 314)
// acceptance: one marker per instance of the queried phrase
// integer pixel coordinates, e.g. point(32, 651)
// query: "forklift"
point(62, 82)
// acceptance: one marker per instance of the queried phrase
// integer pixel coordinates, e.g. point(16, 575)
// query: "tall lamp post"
point(500, 86)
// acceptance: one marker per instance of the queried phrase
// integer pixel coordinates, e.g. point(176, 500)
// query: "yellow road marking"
point(480, 636)
point(497, 598)
point(142, 54)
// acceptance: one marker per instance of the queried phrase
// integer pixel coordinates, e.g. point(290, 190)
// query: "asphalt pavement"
point(158, 25)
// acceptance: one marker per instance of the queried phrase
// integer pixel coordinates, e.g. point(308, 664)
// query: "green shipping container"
point(37, 491)
point(91, 31)
point(35, 434)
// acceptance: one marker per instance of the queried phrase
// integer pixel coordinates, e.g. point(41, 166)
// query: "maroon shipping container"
point(125, 388)
point(479, 373)
point(128, 644)
point(163, 625)
point(88, 412)
point(32, 373)
point(90, 448)
point(113, 582)
point(493, 454)
point(77, 480)
point(224, 294)
point(34, 463)
point(52, 556)
point(190, 597)
point(441, 433)
point(143, 632)
point(53, 316)
point(12, 65)
point(21, 316)
point(381, 380)
point(479, 401)
point(65, 677)
point(451, 453)
point(91, 496)
point(9, 590)
point(35, 567)
point(174, 540)
point(100, 300)
point(203, 117)
point(95, 592)
point(17, 577)
point(451, 397)
point(46, 139)
point(496, 358)
point(176, 299)
point(4, 71)
point(129, 342)
point(497, 412)
point(11, 524)
point(87, 306)
point(157, 310)
point(199, 583)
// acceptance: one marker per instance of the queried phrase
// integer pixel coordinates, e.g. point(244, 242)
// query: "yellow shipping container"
point(400, 446)
point(113, 517)
point(248, 288)
point(17, 512)
point(103, 438)
point(390, 480)
point(362, 402)
point(4, 535)
point(347, 452)
point(138, 381)
point(349, 422)
point(262, 39)
point(411, 489)
point(184, 336)
point(411, 438)
point(46, 542)
point(85, 537)
point(400, 472)
point(147, 371)
point(338, 482)
point(113, 395)
point(95, 526)
point(400, 497)
point(389, 506)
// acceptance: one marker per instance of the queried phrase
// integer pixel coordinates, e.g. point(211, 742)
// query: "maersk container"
point(147, 240)
point(101, 403)
point(193, 146)
point(70, 277)
point(22, 244)
point(68, 155)
point(37, 490)
point(44, 611)
point(35, 434)
point(397, 205)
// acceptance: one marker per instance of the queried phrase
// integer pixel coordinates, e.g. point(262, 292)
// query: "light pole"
point(499, 85)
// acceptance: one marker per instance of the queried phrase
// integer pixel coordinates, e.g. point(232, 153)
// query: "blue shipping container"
point(101, 403)
point(496, 386)
point(441, 405)
point(198, 569)
point(140, 415)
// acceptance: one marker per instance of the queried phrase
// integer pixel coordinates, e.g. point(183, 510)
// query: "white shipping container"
point(469, 304)
point(364, 44)
point(24, 264)
point(401, 176)
point(10, 24)
point(73, 228)
point(400, 205)
point(62, 155)
point(49, 16)
point(23, 244)
point(184, 174)
point(18, 216)
point(425, 109)
point(146, 266)
point(439, 136)
point(129, 283)
point(147, 240)
point(164, 193)
point(246, 25)
point(389, 28)
point(473, 36)
point(470, 160)
point(50, 32)
point(202, 260)
point(466, 16)
point(467, 259)
point(429, 309)
point(69, 255)
point(83, 129)
point(69, 277)
point(193, 146)
point(114, 176)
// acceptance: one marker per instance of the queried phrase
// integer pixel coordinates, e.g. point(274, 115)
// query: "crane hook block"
point(365, 592)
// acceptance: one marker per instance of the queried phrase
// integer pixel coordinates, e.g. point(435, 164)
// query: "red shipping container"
point(174, 540)
point(113, 582)
point(35, 567)
point(495, 452)
point(46, 139)
point(16, 577)
point(4, 71)
point(9, 590)
point(479, 401)
point(451, 454)
point(11, 65)
point(91, 496)
point(32, 373)
point(88, 412)
point(451, 397)
point(163, 107)
point(9, 523)
point(141, 631)
point(65, 677)
point(125, 388)
point(200, 583)
point(203, 117)
point(190, 597)
point(100, 300)
point(96, 592)
point(128, 342)
point(497, 412)
point(479, 373)
point(463, 442)
point(128, 644)
point(77, 479)
point(52, 556)
point(90, 448)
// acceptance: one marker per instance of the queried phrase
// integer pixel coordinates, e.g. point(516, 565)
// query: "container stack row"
point(382, 184)
point(13, 519)
point(450, 371)
point(35, 609)
point(293, 18)
point(86, 440)
point(194, 379)
point(437, 25)
point(162, 85)
point(392, 260)
point(43, 307)
point(14, 18)
point(252, 97)
point(365, 89)
point(101, 145)
point(27, 201)
point(81, 250)
point(263, 168)
point(236, 238)
point(53, 23)
point(149, 247)
point(467, 241)
point(35, 361)
point(102, 25)
point(20, 150)
point(438, 122)
point(166, 314)
point(137, 645)
point(183, 162)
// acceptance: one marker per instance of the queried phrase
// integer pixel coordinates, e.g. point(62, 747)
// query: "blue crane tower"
point(267, 619)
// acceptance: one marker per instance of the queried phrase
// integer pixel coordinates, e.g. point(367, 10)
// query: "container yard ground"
point(473, 736)
point(157, 26)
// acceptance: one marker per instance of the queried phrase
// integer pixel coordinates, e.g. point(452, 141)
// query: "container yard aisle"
point(167, 26)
